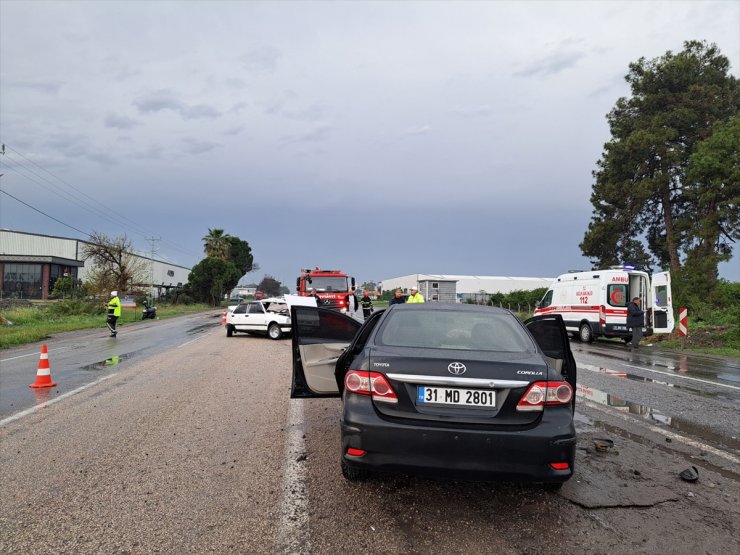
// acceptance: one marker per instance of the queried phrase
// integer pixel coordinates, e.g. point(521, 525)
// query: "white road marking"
point(674, 375)
point(598, 369)
point(292, 536)
point(674, 437)
point(19, 356)
point(19, 415)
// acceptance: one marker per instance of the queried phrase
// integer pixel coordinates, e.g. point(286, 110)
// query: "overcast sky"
point(382, 138)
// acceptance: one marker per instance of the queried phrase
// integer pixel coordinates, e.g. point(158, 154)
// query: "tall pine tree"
point(641, 195)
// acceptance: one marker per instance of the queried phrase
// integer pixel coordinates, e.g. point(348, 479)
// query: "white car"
point(269, 317)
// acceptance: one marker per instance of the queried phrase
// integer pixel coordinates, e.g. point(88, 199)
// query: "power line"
point(11, 149)
point(44, 213)
point(139, 230)
point(81, 204)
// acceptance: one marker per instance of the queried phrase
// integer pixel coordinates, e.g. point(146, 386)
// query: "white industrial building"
point(30, 264)
point(478, 288)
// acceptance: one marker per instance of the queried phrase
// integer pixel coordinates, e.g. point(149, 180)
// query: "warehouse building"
point(31, 263)
point(458, 288)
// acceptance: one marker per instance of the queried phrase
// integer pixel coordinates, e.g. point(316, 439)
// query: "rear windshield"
point(476, 331)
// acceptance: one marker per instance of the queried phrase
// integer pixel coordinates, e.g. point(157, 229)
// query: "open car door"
point(320, 336)
point(663, 320)
point(550, 333)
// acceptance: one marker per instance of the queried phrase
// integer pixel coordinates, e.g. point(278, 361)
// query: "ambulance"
point(594, 304)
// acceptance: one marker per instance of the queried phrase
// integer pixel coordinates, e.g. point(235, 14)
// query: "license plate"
point(455, 396)
point(620, 328)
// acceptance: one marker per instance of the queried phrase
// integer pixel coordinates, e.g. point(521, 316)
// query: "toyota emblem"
point(456, 368)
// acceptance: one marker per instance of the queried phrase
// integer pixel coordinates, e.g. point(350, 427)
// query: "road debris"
point(689, 474)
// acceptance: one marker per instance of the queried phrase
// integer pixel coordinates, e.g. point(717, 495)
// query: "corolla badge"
point(456, 368)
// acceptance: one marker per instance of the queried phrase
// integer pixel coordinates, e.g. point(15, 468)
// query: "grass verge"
point(40, 322)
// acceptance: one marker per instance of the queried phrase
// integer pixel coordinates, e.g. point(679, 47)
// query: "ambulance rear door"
point(662, 303)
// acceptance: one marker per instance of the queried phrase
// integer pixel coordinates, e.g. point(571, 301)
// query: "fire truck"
point(331, 287)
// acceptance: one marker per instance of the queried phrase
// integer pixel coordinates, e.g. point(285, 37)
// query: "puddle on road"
point(654, 416)
point(115, 360)
point(201, 328)
point(694, 365)
point(634, 377)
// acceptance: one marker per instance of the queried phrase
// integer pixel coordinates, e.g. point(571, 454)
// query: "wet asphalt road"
point(190, 445)
point(80, 358)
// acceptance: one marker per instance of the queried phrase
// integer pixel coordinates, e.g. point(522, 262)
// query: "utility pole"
point(153, 241)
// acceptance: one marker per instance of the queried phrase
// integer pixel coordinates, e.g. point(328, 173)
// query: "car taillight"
point(375, 384)
point(602, 315)
point(540, 394)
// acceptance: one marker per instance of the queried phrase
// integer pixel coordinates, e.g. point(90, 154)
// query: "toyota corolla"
point(457, 391)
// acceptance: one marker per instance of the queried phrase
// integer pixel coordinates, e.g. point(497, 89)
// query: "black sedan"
point(458, 391)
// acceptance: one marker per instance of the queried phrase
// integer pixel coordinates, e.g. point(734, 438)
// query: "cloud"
point(235, 83)
point(77, 146)
point(471, 111)
point(46, 87)
point(120, 122)
point(552, 64)
point(318, 133)
point(263, 59)
point(197, 146)
point(156, 101)
point(165, 99)
point(237, 108)
point(199, 111)
point(414, 131)
point(120, 71)
point(235, 130)
point(102, 158)
point(153, 153)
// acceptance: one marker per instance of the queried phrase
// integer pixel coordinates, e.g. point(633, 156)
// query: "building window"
point(435, 297)
point(22, 281)
point(435, 285)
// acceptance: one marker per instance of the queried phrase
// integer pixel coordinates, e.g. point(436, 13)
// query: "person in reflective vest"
point(114, 312)
point(415, 296)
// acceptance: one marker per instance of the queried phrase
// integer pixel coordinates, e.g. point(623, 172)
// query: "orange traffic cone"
point(223, 318)
point(43, 374)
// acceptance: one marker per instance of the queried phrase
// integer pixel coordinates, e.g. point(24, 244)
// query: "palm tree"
point(216, 244)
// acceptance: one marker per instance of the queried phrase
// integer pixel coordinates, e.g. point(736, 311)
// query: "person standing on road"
point(397, 298)
point(415, 296)
point(114, 312)
point(635, 320)
point(367, 304)
point(352, 305)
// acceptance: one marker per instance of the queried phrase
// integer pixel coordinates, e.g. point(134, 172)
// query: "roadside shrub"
point(75, 307)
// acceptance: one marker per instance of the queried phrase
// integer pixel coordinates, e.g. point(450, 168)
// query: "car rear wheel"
point(585, 334)
point(229, 330)
point(353, 474)
point(274, 331)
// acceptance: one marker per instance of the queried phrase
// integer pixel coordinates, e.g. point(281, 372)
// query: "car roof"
point(458, 307)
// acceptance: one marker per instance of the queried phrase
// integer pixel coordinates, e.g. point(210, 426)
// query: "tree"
point(240, 254)
point(114, 264)
point(712, 192)
point(270, 286)
point(639, 195)
point(216, 244)
point(210, 278)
